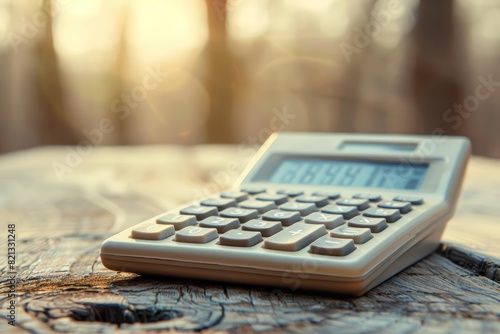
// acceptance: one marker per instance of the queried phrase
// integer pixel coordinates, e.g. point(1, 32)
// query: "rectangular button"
point(412, 199)
point(375, 225)
point(303, 208)
point(260, 206)
point(221, 224)
point(253, 190)
point(329, 194)
point(285, 217)
point(319, 201)
point(195, 234)
point(200, 212)
point(359, 235)
point(177, 221)
point(390, 215)
point(370, 197)
point(219, 203)
point(238, 196)
point(240, 238)
point(403, 207)
point(359, 203)
point(152, 231)
point(291, 193)
point(266, 228)
point(329, 220)
point(295, 237)
point(333, 246)
point(276, 198)
point(243, 215)
point(346, 211)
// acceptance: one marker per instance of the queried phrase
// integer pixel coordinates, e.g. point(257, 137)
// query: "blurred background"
point(186, 72)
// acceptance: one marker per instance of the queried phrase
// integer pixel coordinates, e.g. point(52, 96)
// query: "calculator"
point(337, 213)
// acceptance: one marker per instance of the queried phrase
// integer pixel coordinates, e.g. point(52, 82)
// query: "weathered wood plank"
point(62, 286)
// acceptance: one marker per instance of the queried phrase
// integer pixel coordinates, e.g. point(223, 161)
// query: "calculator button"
point(295, 237)
point(412, 199)
point(359, 235)
point(374, 224)
point(177, 221)
point(266, 228)
point(346, 211)
point(370, 197)
point(329, 220)
point(276, 198)
point(152, 231)
point(329, 194)
point(319, 201)
point(200, 212)
point(291, 193)
point(260, 206)
point(242, 214)
point(333, 246)
point(285, 217)
point(195, 234)
point(221, 224)
point(238, 196)
point(253, 191)
point(403, 207)
point(219, 203)
point(240, 238)
point(390, 215)
point(360, 204)
point(303, 208)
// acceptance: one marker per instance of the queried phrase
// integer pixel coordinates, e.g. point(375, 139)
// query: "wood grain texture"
point(62, 286)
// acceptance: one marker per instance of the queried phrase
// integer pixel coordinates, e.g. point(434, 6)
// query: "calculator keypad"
point(286, 220)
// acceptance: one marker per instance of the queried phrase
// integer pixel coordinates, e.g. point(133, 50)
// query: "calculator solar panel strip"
point(400, 244)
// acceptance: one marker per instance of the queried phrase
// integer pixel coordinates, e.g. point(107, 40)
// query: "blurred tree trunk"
point(117, 79)
point(350, 91)
point(436, 74)
point(219, 75)
point(52, 123)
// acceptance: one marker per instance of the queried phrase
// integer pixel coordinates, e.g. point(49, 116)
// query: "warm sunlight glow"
point(162, 29)
point(248, 19)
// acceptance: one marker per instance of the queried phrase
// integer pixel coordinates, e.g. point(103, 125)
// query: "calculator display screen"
point(349, 173)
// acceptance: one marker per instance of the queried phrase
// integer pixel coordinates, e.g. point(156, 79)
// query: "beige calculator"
point(338, 213)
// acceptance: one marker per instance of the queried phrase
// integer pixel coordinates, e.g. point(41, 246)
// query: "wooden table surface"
point(61, 285)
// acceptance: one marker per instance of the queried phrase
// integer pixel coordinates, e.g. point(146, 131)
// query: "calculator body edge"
point(354, 274)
